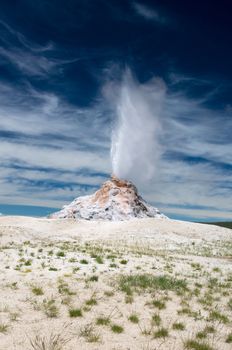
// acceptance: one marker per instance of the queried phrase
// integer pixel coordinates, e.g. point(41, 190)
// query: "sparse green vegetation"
point(161, 333)
point(201, 335)
point(133, 318)
point(89, 333)
point(160, 286)
point(178, 326)
point(109, 293)
point(84, 261)
point(159, 304)
point(129, 283)
point(3, 327)
point(75, 313)
point(123, 262)
point(50, 308)
point(93, 278)
point(37, 290)
point(116, 328)
point(60, 254)
point(230, 304)
point(217, 316)
point(99, 260)
point(196, 345)
point(90, 302)
point(156, 319)
point(229, 338)
point(103, 321)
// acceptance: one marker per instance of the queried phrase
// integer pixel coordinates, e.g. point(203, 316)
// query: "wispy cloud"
point(30, 58)
point(148, 13)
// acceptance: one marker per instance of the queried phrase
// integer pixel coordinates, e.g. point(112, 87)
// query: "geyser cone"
point(116, 200)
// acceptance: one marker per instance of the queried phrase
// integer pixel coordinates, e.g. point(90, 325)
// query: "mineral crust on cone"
point(116, 200)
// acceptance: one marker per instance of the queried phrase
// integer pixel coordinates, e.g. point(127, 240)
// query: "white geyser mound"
point(135, 145)
point(116, 200)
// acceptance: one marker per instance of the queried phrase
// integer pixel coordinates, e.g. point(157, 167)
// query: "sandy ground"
point(61, 279)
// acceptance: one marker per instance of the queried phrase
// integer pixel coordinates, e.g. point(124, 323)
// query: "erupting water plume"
point(135, 147)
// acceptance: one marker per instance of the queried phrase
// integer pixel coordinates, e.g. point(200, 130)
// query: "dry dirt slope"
point(139, 284)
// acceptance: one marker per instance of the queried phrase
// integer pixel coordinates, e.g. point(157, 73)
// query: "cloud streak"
point(148, 13)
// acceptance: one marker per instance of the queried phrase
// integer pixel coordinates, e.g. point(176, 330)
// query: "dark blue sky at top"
point(71, 47)
point(194, 39)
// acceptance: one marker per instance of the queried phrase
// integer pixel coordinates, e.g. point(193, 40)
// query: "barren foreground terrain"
point(142, 284)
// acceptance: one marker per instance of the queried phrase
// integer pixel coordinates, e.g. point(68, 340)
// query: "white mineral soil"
point(77, 264)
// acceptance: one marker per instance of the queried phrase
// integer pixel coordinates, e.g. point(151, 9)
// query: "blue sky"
point(56, 58)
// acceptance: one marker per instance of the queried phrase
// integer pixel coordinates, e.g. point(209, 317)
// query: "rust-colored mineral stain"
point(102, 195)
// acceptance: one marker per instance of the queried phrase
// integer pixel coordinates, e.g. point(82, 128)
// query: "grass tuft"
point(3, 327)
point(75, 313)
point(37, 290)
point(133, 318)
point(89, 333)
point(178, 326)
point(116, 328)
point(103, 321)
point(161, 333)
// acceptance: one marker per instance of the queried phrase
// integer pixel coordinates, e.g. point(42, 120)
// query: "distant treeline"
point(227, 224)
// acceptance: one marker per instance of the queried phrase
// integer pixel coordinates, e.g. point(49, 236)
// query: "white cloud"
point(148, 13)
